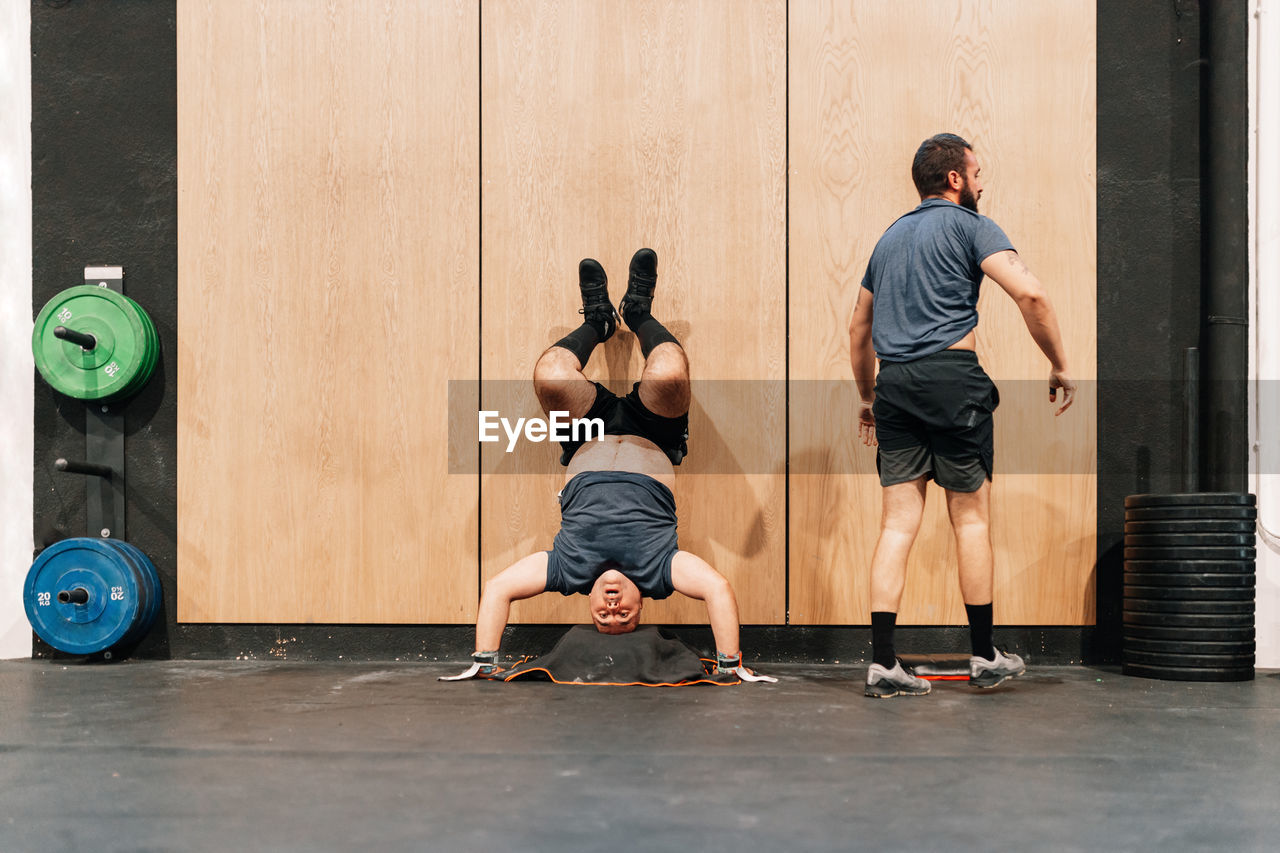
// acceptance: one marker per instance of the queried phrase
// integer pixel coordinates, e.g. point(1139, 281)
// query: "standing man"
point(930, 407)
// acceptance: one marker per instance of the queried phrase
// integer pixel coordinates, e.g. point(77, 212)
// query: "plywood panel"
point(328, 290)
point(611, 126)
point(868, 81)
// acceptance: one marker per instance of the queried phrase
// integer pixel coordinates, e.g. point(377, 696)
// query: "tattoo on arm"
point(1015, 261)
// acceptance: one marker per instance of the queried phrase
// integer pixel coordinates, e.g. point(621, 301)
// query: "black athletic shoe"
point(642, 279)
point(596, 308)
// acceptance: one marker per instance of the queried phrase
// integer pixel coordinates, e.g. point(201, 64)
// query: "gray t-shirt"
point(924, 274)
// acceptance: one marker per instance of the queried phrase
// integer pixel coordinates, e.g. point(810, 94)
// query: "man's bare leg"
point(901, 511)
point(560, 384)
point(664, 384)
point(902, 508)
point(557, 377)
point(970, 514)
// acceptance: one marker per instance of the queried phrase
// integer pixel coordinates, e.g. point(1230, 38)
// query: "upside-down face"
point(615, 603)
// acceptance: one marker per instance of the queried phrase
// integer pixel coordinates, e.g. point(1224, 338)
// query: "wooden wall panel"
point(608, 127)
point(868, 81)
point(328, 289)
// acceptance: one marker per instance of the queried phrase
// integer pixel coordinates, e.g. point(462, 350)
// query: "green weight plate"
point(1170, 567)
point(1188, 593)
point(110, 367)
point(153, 351)
point(1175, 513)
point(1190, 499)
point(1198, 525)
point(1191, 635)
point(1240, 581)
point(1219, 552)
point(1189, 673)
point(1187, 607)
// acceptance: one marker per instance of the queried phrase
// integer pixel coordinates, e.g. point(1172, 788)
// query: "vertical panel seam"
point(786, 321)
point(479, 292)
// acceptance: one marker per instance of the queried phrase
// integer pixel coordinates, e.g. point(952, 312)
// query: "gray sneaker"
point(884, 683)
point(989, 673)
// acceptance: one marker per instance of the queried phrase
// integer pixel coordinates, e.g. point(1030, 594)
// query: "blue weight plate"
point(149, 581)
point(144, 593)
point(113, 606)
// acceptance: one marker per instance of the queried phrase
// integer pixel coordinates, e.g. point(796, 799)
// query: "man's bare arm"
point(862, 357)
point(522, 579)
point(693, 576)
point(1008, 270)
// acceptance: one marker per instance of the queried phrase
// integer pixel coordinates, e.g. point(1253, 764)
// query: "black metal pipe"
point(1224, 237)
point(79, 595)
point(1191, 421)
point(84, 339)
point(69, 467)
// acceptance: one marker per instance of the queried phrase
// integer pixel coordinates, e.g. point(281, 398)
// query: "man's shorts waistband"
point(590, 478)
point(940, 355)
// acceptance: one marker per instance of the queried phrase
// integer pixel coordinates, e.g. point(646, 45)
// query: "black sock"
point(581, 341)
point(882, 651)
point(649, 332)
point(980, 619)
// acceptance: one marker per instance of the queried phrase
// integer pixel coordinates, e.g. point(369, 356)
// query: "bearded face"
point(968, 198)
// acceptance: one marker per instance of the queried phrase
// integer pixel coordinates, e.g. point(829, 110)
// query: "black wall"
point(105, 192)
point(1149, 296)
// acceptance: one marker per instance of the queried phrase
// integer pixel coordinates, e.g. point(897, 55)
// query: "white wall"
point(1264, 227)
point(15, 324)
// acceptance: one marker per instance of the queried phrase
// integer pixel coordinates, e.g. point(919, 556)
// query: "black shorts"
point(628, 416)
point(933, 419)
point(614, 520)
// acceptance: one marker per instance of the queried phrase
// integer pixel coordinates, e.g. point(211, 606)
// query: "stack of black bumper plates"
point(1189, 586)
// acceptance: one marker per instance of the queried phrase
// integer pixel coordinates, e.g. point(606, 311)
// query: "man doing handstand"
point(617, 540)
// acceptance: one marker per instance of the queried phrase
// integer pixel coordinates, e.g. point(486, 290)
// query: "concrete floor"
point(228, 756)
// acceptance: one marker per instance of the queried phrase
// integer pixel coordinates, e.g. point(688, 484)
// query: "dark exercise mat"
point(647, 656)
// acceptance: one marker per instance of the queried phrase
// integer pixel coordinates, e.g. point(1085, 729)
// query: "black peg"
point(69, 467)
point(79, 595)
point(84, 339)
